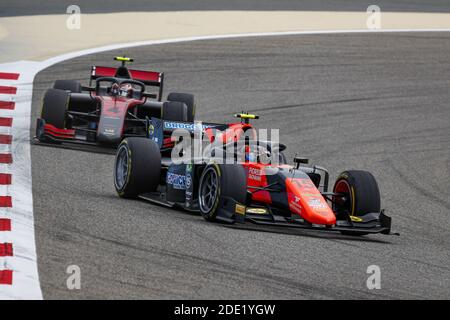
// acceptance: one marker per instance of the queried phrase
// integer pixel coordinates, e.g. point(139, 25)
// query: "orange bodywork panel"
point(305, 200)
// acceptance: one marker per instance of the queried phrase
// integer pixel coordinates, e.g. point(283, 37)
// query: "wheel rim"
point(209, 187)
point(344, 203)
point(121, 167)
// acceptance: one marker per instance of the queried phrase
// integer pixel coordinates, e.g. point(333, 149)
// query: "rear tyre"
point(188, 100)
point(362, 195)
point(219, 181)
point(54, 107)
point(174, 111)
point(68, 85)
point(137, 167)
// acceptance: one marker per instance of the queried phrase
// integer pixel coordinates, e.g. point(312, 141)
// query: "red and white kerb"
point(6, 179)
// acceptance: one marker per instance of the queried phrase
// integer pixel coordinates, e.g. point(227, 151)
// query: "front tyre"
point(219, 182)
point(68, 85)
point(137, 167)
point(54, 107)
point(361, 195)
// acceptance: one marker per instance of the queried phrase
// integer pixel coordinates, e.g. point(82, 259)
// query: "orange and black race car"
point(115, 105)
point(256, 186)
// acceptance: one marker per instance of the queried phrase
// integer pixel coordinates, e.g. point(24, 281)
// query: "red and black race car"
point(115, 105)
point(261, 192)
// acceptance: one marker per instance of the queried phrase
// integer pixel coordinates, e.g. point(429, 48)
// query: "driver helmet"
point(114, 90)
point(250, 155)
point(126, 90)
point(253, 154)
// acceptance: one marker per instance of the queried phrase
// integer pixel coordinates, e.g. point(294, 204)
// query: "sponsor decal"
point(151, 129)
point(188, 181)
point(254, 174)
point(310, 194)
point(109, 132)
point(188, 185)
point(239, 209)
point(178, 181)
point(186, 126)
point(257, 210)
point(155, 131)
point(316, 204)
point(296, 206)
point(188, 198)
point(356, 219)
point(343, 176)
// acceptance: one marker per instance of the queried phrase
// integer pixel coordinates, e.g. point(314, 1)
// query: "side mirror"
point(300, 160)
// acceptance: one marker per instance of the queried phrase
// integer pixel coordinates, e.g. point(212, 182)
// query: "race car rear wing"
point(149, 78)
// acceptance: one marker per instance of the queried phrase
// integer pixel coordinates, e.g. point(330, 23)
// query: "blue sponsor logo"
point(188, 181)
point(178, 181)
point(186, 126)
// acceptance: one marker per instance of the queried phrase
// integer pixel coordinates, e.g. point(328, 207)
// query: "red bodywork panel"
point(144, 76)
point(59, 133)
point(112, 119)
point(256, 178)
point(113, 106)
point(232, 133)
point(303, 197)
point(114, 110)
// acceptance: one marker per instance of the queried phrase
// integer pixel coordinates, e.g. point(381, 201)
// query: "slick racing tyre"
point(68, 85)
point(174, 111)
point(188, 100)
point(217, 182)
point(361, 195)
point(54, 107)
point(137, 167)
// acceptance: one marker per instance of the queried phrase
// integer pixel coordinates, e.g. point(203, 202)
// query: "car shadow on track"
point(76, 147)
point(183, 214)
point(305, 233)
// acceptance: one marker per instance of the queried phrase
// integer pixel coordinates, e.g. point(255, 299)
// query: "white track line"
point(71, 55)
point(24, 262)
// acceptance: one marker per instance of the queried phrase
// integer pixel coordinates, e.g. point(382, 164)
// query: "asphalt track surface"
point(363, 101)
point(30, 7)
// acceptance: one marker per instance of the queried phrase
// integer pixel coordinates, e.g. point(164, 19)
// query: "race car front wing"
point(370, 223)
